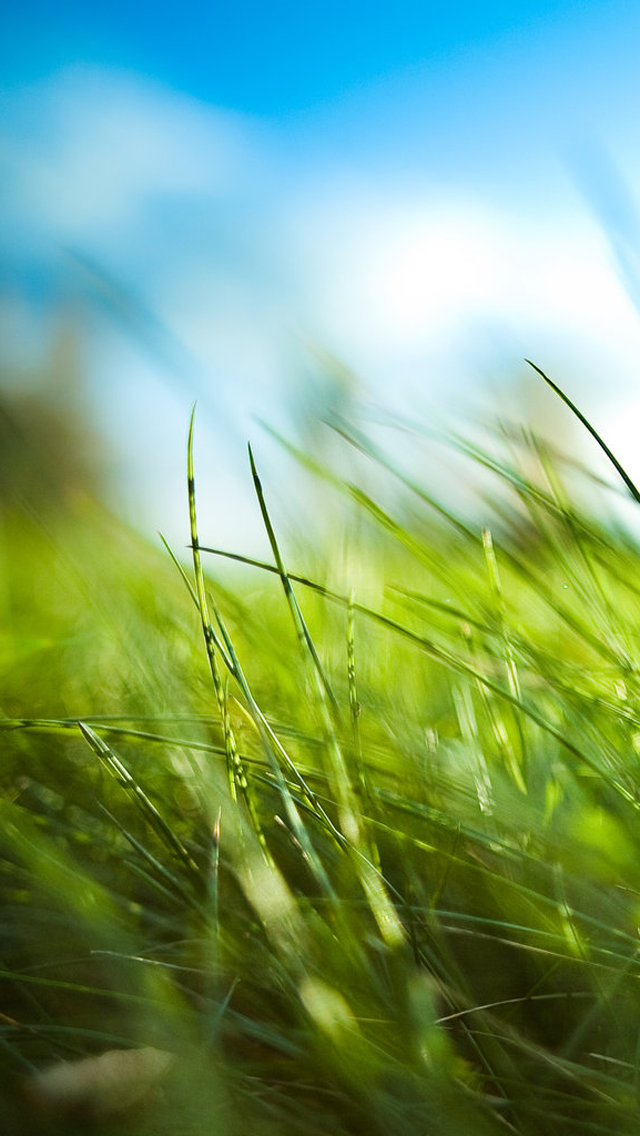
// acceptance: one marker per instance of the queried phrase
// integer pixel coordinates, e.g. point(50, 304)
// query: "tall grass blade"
point(633, 489)
point(236, 771)
point(122, 775)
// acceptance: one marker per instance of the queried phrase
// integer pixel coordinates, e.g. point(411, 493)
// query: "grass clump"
point(301, 856)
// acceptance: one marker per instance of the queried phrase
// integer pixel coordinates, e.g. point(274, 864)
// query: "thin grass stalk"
point(122, 775)
point(371, 879)
point(236, 772)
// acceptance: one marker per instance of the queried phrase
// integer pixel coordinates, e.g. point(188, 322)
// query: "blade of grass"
point(633, 490)
point(236, 771)
point(122, 775)
point(371, 879)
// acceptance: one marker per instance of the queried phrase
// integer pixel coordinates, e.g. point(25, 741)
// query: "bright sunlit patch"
point(422, 271)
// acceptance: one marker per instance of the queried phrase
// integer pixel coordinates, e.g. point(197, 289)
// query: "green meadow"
point(344, 840)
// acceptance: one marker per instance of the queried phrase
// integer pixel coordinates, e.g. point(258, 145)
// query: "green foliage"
point(351, 848)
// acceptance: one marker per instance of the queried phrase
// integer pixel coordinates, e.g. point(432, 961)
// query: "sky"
point(266, 59)
point(222, 197)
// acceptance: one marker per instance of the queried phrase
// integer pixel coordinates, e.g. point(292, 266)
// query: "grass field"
point(347, 841)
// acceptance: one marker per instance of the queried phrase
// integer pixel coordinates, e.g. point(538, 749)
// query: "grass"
point(350, 844)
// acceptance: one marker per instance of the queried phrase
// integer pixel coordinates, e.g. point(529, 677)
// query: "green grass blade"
point(634, 491)
point(122, 775)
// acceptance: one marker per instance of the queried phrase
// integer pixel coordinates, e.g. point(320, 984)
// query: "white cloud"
point(400, 282)
point(89, 153)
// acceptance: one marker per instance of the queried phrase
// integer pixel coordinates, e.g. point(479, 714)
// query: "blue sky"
point(428, 194)
point(274, 58)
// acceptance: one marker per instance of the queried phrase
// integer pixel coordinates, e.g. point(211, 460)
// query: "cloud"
point(89, 154)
